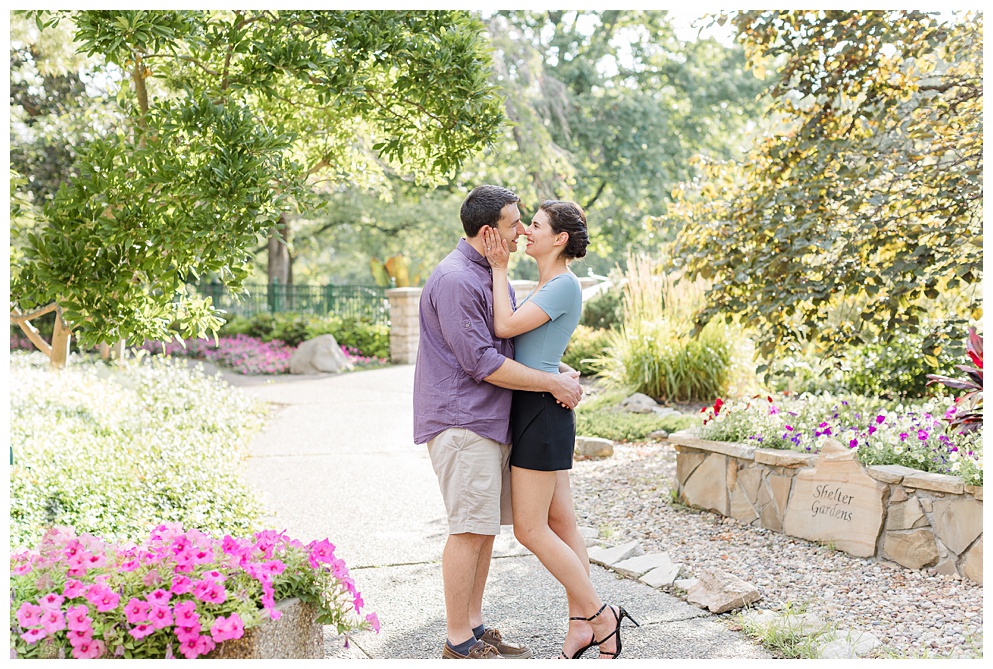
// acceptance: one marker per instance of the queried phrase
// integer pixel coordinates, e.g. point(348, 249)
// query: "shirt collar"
point(472, 254)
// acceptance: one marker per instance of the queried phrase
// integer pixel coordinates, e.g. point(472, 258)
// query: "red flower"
point(717, 406)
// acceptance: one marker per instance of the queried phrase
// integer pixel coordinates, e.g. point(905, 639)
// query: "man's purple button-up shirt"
point(458, 349)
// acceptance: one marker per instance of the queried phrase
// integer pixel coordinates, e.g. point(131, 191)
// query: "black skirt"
point(544, 432)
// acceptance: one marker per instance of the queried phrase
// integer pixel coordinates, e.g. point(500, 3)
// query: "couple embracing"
point(494, 405)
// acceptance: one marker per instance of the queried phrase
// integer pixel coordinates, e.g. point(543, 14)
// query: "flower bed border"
point(915, 544)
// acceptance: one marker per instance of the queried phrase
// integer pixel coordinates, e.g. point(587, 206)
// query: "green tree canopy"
point(227, 118)
point(866, 195)
point(605, 107)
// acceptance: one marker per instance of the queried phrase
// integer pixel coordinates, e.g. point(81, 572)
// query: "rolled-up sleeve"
point(463, 310)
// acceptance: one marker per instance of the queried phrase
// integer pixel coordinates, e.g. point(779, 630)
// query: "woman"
point(544, 432)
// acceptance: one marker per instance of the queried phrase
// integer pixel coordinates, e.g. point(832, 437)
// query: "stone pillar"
point(404, 327)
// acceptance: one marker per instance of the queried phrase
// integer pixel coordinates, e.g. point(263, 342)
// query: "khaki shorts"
point(474, 477)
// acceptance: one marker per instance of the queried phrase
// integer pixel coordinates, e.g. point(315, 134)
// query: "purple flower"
point(880, 419)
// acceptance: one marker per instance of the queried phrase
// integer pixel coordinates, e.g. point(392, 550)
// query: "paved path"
point(338, 460)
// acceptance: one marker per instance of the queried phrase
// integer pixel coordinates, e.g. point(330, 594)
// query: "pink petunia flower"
point(89, 650)
point(21, 569)
point(159, 597)
point(107, 601)
point(194, 647)
point(322, 551)
point(215, 576)
point(184, 634)
point(53, 621)
point(161, 616)
point(181, 585)
point(29, 615)
point(227, 628)
point(186, 614)
point(141, 630)
point(136, 611)
point(79, 637)
point(358, 602)
point(130, 565)
point(373, 620)
point(77, 618)
point(34, 635)
point(73, 589)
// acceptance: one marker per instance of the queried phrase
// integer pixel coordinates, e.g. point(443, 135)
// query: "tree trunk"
point(279, 254)
point(61, 335)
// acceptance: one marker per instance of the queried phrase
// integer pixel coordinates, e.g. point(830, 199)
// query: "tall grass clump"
point(653, 351)
point(114, 450)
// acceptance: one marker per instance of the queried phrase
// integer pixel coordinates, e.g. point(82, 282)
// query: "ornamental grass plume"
point(188, 592)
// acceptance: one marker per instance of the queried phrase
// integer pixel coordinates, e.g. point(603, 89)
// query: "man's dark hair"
point(483, 206)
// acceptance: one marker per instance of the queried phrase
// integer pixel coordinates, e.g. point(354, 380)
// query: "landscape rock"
point(320, 354)
point(634, 567)
point(657, 435)
point(593, 447)
point(639, 403)
point(720, 592)
point(662, 575)
point(836, 650)
point(608, 557)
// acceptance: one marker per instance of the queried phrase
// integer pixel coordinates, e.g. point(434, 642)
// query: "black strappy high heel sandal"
point(579, 653)
point(619, 616)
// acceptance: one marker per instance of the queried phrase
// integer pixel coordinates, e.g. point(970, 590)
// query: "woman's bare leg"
point(532, 492)
point(562, 521)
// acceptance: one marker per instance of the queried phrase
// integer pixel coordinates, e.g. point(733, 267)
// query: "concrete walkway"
point(338, 461)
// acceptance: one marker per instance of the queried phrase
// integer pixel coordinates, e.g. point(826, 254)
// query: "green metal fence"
point(343, 300)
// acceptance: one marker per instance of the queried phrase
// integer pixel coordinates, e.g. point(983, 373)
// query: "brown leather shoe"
point(508, 649)
point(479, 651)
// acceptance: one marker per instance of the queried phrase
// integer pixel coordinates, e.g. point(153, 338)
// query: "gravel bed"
point(915, 614)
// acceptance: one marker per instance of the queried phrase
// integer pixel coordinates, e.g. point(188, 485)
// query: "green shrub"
point(585, 346)
point(116, 450)
point(896, 370)
point(625, 426)
point(603, 312)
point(370, 338)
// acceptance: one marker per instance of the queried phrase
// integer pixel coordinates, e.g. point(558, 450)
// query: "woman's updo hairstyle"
point(568, 217)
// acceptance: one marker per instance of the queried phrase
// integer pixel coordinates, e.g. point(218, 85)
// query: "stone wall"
point(913, 518)
point(404, 327)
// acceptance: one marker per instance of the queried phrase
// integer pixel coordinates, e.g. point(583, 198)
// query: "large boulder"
point(320, 354)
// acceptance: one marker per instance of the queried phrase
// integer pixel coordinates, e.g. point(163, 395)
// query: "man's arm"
point(515, 376)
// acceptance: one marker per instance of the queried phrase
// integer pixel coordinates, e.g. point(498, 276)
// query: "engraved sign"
point(836, 502)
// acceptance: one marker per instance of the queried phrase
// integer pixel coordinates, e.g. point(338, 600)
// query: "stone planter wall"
point(894, 513)
point(404, 326)
point(295, 636)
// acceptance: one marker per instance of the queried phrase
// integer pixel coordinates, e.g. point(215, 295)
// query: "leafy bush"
point(626, 426)
point(899, 369)
point(114, 450)
point(586, 345)
point(361, 334)
point(178, 593)
point(885, 432)
point(603, 312)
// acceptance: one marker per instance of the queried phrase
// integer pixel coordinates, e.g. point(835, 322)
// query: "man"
point(463, 378)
